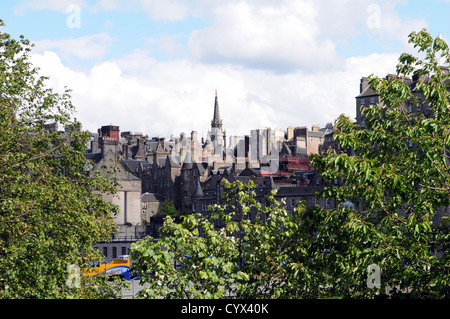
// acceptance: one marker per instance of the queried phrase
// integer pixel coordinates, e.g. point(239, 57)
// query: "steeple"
point(216, 122)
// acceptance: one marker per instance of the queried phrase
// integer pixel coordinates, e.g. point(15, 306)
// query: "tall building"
point(217, 136)
point(368, 97)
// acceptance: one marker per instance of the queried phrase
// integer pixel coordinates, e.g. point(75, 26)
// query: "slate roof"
point(367, 92)
point(95, 157)
point(132, 165)
point(187, 163)
point(198, 190)
point(151, 197)
point(173, 160)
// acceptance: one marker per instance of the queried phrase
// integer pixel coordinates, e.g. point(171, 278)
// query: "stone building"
point(304, 142)
point(150, 206)
point(106, 151)
point(129, 192)
point(211, 192)
point(368, 97)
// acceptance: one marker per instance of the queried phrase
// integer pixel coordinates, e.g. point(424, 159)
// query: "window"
point(114, 252)
point(372, 100)
point(361, 101)
point(124, 250)
point(327, 203)
point(105, 251)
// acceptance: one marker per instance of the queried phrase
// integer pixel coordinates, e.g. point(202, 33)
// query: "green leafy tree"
point(243, 249)
point(168, 209)
point(51, 211)
point(398, 180)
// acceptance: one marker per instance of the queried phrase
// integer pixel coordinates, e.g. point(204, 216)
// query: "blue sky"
point(153, 66)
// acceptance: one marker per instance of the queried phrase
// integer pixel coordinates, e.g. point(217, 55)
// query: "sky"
point(153, 66)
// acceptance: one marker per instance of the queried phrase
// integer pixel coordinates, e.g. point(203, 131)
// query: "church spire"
point(216, 122)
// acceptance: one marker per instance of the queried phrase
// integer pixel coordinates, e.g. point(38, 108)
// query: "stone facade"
point(188, 171)
point(129, 192)
point(150, 206)
point(368, 97)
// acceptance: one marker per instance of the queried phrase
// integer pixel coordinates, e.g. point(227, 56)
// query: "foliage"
point(168, 209)
point(241, 250)
point(396, 182)
point(51, 213)
point(398, 179)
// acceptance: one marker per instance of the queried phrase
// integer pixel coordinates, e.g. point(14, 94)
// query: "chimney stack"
point(110, 131)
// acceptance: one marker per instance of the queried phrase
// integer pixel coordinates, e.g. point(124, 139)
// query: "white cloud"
point(57, 5)
point(291, 35)
point(167, 10)
point(277, 36)
point(166, 43)
point(91, 47)
point(171, 97)
point(108, 4)
point(236, 54)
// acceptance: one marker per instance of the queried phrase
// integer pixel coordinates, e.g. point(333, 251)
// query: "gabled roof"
point(198, 190)
point(213, 180)
point(173, 161)
point(132, 165)
point(285, 150)
point(151, 197)
point(187, 163)
point(367, 92)
point(250, 171)
point(95, 157)
point(201, 167)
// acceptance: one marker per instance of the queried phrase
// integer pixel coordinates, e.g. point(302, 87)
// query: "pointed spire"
point(187, 163)
point(198, 191)
point(216, 122)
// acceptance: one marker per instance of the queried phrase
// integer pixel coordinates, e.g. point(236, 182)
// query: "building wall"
point(128, 198)
point(314, 144)
point(149, 210)
point(129, 192)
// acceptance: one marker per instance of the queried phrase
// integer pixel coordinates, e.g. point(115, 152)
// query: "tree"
point(168, 209)
point(243, 250)
point(398, 180)
point(51, 210)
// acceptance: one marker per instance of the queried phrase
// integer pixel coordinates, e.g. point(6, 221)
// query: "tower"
point(216, 121)
point(217, 136)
